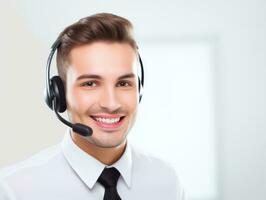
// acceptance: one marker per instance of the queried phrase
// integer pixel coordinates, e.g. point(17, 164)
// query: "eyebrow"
point(95, 76)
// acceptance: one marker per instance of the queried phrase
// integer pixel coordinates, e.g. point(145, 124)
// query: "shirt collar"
point(89, 168)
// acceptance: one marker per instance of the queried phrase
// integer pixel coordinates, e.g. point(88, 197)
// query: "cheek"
point(78, 99)
point(130, 100)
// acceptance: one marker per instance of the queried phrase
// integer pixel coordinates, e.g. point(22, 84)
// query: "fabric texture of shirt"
point(66, 172)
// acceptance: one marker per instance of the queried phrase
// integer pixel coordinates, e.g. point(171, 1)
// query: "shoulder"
point(146, 160)
point(38, 167)
point(35, 160)
point(151, 165)
point(6, 193)
point(155, 171)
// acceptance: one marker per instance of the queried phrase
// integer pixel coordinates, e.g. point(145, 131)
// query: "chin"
point(108, 139)
point(108, 144)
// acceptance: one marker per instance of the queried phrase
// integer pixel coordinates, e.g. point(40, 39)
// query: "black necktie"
point(108, 179)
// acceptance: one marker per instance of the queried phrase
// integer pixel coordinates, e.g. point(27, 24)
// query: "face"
point(102, 90)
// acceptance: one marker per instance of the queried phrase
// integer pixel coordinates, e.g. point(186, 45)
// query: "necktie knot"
point(109, 177)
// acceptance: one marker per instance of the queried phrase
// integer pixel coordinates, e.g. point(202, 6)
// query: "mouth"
point(108, 122)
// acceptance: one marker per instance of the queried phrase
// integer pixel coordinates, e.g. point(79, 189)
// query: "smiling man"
point(102, 91)
point(97, 62)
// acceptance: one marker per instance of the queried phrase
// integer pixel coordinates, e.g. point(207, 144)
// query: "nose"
point(109, 100)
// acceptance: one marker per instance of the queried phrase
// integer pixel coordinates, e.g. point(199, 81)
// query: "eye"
point(124, 84)
point(89, 84)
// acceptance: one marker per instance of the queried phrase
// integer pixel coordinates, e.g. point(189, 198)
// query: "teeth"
point(108, 120)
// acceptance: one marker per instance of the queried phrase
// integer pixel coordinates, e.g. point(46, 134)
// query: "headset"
point(54, 93)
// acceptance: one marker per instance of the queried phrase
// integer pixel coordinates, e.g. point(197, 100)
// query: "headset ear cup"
point(139, 90)
point(140, 97)
point(58, 93)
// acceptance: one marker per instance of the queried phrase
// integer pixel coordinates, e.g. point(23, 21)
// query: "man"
point(97, 61)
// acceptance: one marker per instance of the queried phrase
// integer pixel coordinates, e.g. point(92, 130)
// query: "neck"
point(107, 156)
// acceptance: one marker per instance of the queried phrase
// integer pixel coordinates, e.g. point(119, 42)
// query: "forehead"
point(103, 58)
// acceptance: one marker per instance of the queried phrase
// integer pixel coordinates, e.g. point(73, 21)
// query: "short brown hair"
point(97, 27)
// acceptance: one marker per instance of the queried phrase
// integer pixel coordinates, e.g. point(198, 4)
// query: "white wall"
point(238, 27)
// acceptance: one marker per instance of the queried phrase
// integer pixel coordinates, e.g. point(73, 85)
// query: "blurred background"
point(205, 86)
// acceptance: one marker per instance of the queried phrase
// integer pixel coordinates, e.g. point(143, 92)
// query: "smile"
point(108, 122)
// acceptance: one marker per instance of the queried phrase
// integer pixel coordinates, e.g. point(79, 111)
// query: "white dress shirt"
point(66, 172)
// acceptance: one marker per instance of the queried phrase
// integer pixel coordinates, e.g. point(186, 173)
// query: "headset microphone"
point(82, 129)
